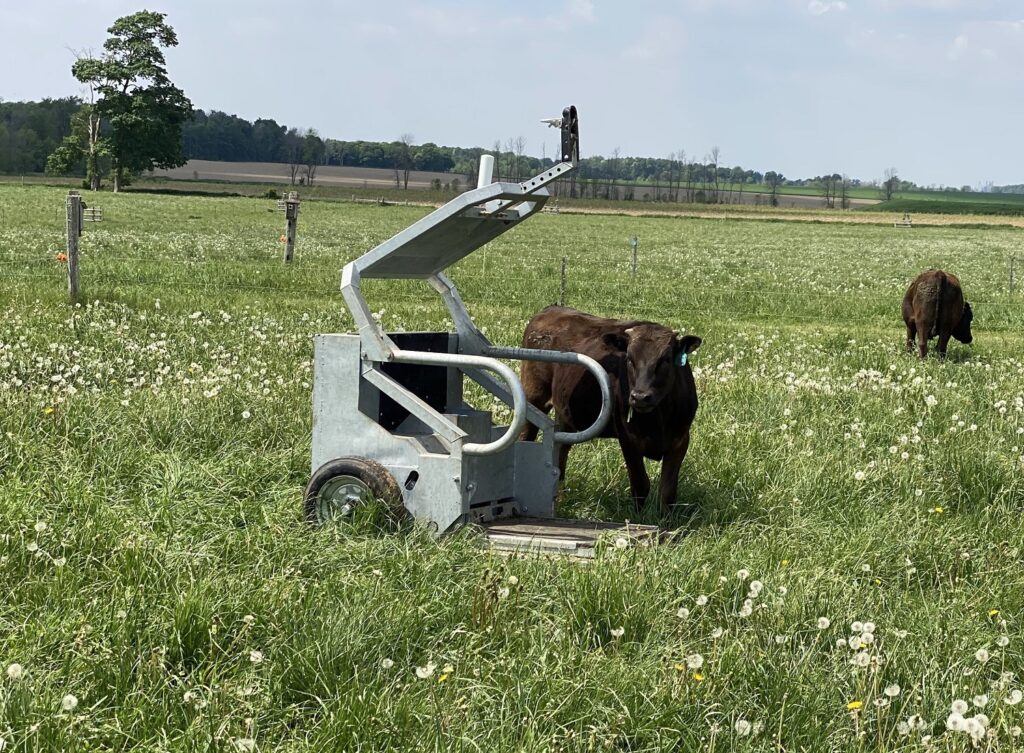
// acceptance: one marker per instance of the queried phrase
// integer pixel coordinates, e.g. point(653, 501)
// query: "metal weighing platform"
point(389, 419)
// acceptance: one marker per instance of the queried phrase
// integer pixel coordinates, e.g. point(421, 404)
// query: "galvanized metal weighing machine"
point(389, 419)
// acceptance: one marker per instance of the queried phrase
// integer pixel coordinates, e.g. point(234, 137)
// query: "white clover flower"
point(69, 703)
point(426, 672)
point(386, 663)
point(701, 600)
point(256, 656)
point(15, 672)
point(742, 727)
point(617, 632)
point(694, 661)
point(892, 690)
point(683, 613)
point(974, 728)
point(1014, 697)
point(743, 574)
point(823, 623)
point(955, 722)
point(959, 707)
point(982, 655)
point(981, 701)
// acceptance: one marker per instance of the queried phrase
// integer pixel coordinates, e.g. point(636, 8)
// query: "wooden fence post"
point(291, 214)
point(74, 227)
point(634, 242)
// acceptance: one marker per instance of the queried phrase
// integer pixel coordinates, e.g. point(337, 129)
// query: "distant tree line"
point(31, 131)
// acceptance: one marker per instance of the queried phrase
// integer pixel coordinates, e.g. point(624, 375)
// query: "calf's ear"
point(617, 340)
point(687, 344)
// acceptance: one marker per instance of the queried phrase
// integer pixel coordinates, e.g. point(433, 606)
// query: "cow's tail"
point(938, 306)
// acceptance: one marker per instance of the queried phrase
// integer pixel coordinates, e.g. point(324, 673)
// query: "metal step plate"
point(574, 538)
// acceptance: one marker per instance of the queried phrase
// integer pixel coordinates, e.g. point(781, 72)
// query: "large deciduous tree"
point(143, 110)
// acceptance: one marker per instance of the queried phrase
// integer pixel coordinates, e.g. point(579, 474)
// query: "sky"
point(932, 88)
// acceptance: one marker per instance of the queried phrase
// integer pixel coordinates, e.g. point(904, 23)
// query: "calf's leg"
point(538, 394)
point(941, 347)
point(922, 342)
point(639, 481)
point(911, 333)
point(670, 465)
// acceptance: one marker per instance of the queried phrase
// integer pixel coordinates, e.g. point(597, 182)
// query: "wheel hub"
point(339, 497)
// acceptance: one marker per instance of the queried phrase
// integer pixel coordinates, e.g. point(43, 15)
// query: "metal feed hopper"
point(390, 420)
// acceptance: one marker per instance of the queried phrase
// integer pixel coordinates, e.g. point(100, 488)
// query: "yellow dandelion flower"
point(442, 678)
point(939, 510)
point(679, 667)
point(855, 705)
point(993, 612)
point(785, 563)
point(48, 410)
point(698, 677)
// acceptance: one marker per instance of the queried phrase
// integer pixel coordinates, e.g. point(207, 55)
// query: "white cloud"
point(958, 48)
point(820, 8)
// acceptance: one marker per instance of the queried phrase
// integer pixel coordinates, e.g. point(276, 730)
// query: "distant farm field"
point(851, 540)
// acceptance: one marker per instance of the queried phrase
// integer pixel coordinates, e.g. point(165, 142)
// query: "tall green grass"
point(155, 439)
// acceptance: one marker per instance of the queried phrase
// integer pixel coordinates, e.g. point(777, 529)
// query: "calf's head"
point(655, 357)
point(962, 330)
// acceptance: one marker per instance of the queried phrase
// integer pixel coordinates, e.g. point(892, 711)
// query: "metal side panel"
point(341, 428)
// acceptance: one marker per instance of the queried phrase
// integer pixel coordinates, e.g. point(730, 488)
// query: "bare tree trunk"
point(118, 178)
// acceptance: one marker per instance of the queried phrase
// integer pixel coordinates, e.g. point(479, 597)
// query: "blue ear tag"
point(681, 359)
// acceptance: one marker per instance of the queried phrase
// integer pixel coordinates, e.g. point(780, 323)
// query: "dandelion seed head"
point(683, 613)
point(981, 701)
point(40, 526)
point(959, 707)
point(256, 656)
point(694, 661)
point(69, 703)
point(701, 600)
point(982, 655)
point(617, 632)
point(1014, 697)
point(892, 690)
point(742, 727)
point(15, 672)
point(425, 672)
point(823, 623)
point(386, 663)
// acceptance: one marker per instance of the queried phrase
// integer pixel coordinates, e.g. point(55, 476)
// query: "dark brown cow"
point(654, 398)
point(934, 306)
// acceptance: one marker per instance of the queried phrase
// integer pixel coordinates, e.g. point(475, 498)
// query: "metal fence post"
point(1013, 259)
point(74, 228)
point(561, 293)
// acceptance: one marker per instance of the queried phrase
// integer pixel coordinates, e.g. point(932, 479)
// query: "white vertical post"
point(486, 175)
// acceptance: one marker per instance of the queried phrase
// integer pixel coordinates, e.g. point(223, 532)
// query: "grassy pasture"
point(162, 593)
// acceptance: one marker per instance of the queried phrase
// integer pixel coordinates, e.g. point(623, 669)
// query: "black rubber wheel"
point(338, 487)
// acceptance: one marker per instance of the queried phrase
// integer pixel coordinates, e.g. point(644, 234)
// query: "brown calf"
point(654, 398)
point(934, 306)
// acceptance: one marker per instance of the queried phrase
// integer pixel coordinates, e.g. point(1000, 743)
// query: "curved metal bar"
point(578, 359)
point(480, 362)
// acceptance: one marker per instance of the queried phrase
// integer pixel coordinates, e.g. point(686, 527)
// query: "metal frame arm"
point(457, 360)
point(576, 359)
